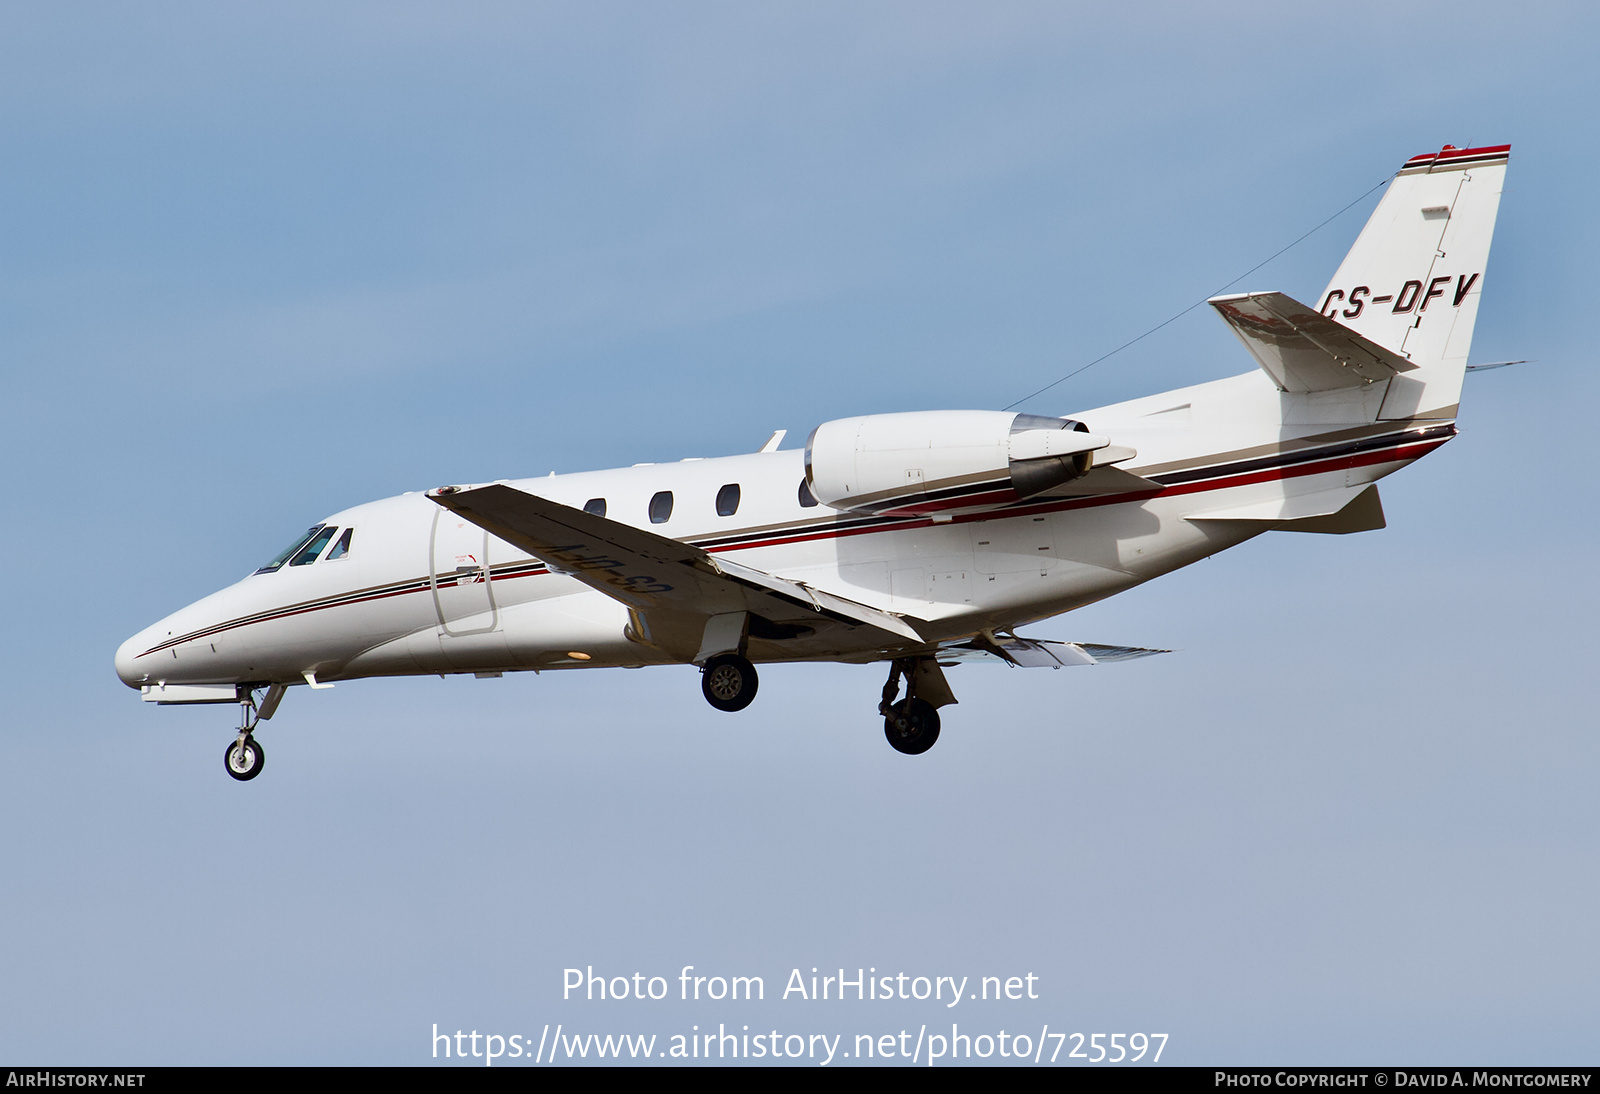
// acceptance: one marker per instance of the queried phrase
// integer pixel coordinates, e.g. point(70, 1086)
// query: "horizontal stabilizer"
point(1034, 653)
point(1302, 350)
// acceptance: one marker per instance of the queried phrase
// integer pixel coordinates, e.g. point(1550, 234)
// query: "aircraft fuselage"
point(421, 590)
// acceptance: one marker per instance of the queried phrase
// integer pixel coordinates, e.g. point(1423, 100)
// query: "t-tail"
point(1401, 308)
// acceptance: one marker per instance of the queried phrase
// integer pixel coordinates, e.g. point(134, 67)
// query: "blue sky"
point(262, 263)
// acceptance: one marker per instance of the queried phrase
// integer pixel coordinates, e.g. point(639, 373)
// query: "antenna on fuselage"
point(1173, 319)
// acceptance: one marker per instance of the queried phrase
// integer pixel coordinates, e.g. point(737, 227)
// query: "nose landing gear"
point(244, 757)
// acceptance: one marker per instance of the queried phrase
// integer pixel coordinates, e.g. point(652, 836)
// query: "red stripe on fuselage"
point(1311, 467)
point(1403, 451)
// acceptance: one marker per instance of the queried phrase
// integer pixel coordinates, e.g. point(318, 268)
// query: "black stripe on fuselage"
point(832, 527)
point(1289, 459)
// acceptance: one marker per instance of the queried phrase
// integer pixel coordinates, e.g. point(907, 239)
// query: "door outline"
point(483, 570)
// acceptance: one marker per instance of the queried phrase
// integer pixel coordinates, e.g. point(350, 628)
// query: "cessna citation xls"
point(920, 540)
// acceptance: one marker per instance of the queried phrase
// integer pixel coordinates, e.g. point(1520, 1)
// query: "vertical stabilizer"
point(1412, 282)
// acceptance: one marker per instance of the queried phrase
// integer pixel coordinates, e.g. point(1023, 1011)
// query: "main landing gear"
point(729, 682)
point(245, 758)
point(912, 724)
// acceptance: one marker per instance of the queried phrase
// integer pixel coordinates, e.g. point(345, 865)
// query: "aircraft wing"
point(683, 599)
point(1034, 653)
point(1303, 350)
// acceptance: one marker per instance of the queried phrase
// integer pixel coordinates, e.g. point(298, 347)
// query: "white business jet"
point(921, 540)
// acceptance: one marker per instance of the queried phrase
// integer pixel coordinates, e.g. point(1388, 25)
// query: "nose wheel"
point(244, 758)
point(729, 682)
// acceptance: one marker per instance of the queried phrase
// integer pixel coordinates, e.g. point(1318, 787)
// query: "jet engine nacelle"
point(944, 461)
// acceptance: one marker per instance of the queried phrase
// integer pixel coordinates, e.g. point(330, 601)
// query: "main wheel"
point(244, 761)
point(729, 682)
point(912, 726)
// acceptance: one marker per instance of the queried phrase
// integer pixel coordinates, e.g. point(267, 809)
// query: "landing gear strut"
point(244, 757)
point(729, 682)
point(912, 724)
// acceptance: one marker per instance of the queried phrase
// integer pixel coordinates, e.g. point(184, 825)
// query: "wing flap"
point(1035, 653)
point(1303, 350)
point(799, 592)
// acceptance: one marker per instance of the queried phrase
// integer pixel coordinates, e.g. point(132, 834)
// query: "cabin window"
point(284, 556)
point(807, 498)
point(728, 500)
point(308, 554)
point(661, 507)
point(597, 506)
point(342, 548)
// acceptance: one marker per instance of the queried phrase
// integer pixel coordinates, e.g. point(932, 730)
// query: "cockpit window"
point(342, 548)
point(597, 506)
point(308, 554)
point(311, 534)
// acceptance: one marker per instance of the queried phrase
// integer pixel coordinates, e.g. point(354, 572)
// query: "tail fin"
point(1412, 281)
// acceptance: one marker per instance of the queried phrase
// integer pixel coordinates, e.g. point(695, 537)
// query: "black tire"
point(912, 726)
point(244, 763)
point(729, 682)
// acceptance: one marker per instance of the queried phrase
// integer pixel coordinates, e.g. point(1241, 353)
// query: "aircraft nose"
point(127, 661)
